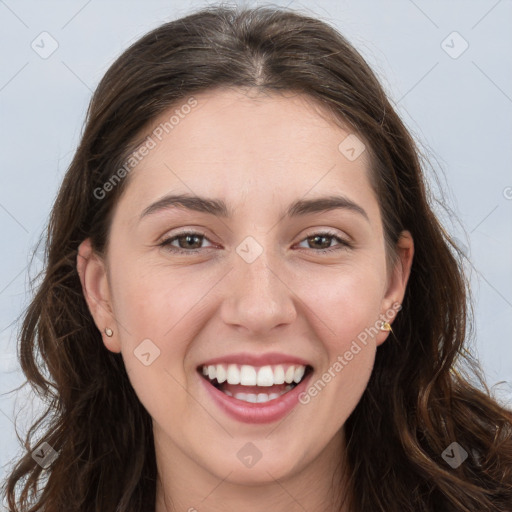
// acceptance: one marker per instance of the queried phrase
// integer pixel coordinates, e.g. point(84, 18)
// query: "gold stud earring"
point(109, 332)
point(385, 326)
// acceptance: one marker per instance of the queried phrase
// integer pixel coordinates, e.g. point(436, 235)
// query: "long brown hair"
point(425, 393)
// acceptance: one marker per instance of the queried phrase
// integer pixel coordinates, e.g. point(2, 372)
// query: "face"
point(249, 286)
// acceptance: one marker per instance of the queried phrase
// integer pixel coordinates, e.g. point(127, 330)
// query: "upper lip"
point(270, 358)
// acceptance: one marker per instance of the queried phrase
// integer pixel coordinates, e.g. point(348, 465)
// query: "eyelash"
point(343, 244)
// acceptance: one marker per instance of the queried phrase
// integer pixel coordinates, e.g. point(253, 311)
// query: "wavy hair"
point(426, 390)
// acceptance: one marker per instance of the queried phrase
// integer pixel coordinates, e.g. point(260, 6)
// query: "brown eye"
point(188, 242)
point(321, 242)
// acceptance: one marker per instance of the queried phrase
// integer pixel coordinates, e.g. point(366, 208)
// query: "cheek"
point(345, 302)
point(154, 301)
point(156, 312)
point(344, 309)
point(160, 320)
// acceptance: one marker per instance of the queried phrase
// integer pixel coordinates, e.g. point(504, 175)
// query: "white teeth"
point(288, 378)
point(233, 376)
point(278, 374)
point(260, 397)
point(221, 374)
point(297, 376)
point(247, 375)
point(265, 376)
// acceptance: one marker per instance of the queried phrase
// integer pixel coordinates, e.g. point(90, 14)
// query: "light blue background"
point(459, 109)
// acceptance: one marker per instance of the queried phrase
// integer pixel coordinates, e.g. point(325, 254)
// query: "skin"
point(258, 153)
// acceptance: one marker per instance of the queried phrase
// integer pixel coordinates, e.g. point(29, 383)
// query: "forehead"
point(247, 144)
point(247, 121)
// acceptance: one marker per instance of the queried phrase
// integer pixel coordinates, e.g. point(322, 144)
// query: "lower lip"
point(265, 412)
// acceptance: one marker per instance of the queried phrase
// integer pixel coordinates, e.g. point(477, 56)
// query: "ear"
point(95, 287)
point(397, 282)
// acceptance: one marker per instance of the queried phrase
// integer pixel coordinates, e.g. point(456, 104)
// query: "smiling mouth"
point(255, 384)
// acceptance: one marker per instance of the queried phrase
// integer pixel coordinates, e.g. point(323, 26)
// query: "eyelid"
point(330, 232)
point(167, 240)
point(343, 243)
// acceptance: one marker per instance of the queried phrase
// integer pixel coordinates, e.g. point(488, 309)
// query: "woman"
point(248, 301)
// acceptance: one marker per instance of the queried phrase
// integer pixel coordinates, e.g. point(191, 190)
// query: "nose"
point(258, 298)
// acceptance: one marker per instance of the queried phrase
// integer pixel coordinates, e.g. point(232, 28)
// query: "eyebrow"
point(219, 208)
